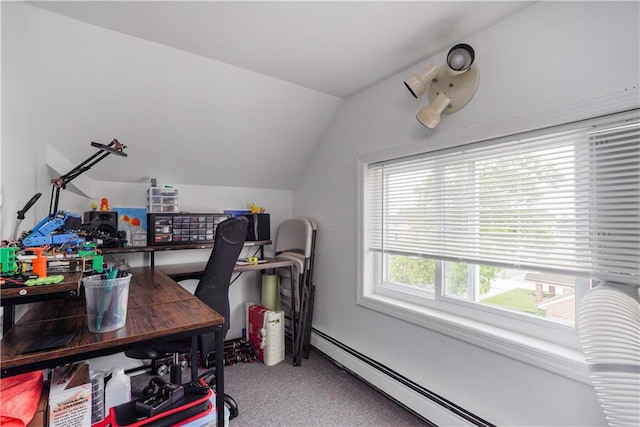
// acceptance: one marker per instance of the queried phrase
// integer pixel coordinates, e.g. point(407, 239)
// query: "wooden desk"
point(158, 310)
point(70, 287)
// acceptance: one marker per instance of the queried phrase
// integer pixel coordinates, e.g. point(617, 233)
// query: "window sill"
point(555, 358)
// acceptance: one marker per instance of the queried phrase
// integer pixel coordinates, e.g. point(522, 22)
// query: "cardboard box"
point(70, 396)
point(40, 417)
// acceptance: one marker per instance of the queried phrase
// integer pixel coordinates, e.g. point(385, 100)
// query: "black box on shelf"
point(182, 227)
point(105, 222)
point(259, 227)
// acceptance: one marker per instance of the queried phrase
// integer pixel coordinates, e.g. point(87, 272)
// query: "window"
point(510, 232)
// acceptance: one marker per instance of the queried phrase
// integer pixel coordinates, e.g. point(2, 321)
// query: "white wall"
point(38, 109)
point(185, 119)
point(66, 83)
point(18, 156)
point(539, 67)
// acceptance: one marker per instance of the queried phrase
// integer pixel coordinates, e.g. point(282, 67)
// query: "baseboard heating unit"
point(434, 409)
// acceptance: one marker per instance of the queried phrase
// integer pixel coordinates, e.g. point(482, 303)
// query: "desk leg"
point(302, 322)
point(194, 358)
point(294, 318)
point(8, 316)
point(220, 374)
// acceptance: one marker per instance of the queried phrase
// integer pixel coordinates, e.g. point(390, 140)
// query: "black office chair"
point(213, 290)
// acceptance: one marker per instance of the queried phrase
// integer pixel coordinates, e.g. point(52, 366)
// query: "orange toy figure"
point(104, 204)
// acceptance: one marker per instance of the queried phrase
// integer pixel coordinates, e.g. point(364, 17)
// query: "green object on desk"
point(56, 278)
point(97, 262)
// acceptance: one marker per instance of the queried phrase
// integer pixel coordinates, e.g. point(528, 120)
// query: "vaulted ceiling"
point(335, 47)
point(202, 90)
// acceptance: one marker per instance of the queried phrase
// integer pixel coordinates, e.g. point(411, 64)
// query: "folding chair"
point(311, 290)
point(295, 241)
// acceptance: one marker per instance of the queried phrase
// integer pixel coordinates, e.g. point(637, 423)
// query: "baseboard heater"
point(402, 380)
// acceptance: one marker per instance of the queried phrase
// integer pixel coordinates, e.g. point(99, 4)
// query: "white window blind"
point(615, 156)
point(564, 200)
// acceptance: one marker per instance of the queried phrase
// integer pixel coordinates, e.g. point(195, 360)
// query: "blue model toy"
point(54, 230)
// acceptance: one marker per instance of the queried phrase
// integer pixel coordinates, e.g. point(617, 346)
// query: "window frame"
point(514, 322)
point(557, 352)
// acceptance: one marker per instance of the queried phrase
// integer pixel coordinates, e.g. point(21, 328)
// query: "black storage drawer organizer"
point(182, 227)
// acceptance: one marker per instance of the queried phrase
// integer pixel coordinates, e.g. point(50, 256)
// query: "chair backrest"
point(312, 253)
point(213, 288)
point(295, 240)
point(294, 235)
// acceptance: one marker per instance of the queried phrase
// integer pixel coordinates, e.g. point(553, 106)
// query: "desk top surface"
point(173, 247)
point(194, 270)
point(158, 308)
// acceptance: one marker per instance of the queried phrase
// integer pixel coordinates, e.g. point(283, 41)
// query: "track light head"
point(450, 87)
point(429, 116)
point(460, 58)
point(418, 83)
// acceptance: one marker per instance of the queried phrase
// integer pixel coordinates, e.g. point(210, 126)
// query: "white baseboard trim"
point(436, 413)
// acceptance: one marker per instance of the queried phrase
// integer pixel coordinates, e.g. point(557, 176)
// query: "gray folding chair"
point(295, 241)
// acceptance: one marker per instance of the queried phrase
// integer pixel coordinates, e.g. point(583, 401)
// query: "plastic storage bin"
point(182, 228)
point(106, 302)
point(162, 200)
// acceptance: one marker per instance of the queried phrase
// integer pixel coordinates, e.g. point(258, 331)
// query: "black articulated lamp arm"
point(22, 212)
point(114, 147)
point(26, 207)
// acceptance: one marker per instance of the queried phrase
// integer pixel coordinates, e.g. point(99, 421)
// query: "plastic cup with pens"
point(107, 300)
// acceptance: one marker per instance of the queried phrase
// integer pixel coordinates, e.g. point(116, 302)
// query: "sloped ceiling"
point(223, 93)
point(333, 47)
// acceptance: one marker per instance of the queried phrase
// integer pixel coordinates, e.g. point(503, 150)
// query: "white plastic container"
point(117, 390)
point(162, 199)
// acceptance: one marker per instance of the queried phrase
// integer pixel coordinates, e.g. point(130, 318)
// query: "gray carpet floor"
point(317, 393)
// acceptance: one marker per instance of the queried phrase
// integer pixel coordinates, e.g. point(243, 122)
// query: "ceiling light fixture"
point(451, 87)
